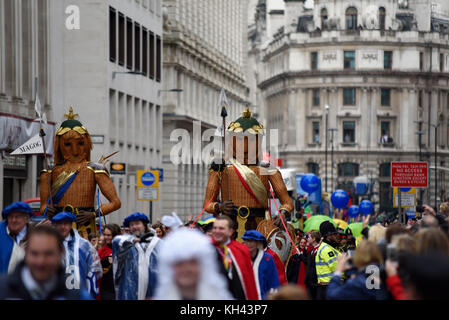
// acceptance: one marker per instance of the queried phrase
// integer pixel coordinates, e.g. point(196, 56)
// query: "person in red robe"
point(235, 261)
point(279, 265)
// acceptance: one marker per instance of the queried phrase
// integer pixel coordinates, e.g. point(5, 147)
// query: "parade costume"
point(279, 265)
point(235, 263)
point(135, 263)
point(81, 261)
point(11, 253)
point(182, 245)
point(265, 273)
point(74, 178)
point(106, 283)
point(243, 180)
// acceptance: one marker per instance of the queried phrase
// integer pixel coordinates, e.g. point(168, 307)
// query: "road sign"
point(147, 185)
point(161, 173)
point(408, 199)
point(409, 174)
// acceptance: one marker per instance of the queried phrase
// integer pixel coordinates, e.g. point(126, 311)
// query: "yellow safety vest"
point(326, 262)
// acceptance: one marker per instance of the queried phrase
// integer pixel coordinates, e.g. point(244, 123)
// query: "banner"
point(16, 131)
point(32, 146)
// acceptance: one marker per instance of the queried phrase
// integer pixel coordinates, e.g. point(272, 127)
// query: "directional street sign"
point(147, 185)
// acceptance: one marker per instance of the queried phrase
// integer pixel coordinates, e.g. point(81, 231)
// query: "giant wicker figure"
point(243, 182)
point(74, 178)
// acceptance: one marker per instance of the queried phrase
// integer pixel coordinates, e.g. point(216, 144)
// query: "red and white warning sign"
point(409, 174)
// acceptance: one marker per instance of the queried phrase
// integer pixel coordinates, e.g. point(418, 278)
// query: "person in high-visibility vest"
point(326, 257)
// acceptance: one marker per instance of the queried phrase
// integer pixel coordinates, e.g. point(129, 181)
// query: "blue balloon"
point(366, 207)
point(339, 199)
point(353, 211)
point(310, 182)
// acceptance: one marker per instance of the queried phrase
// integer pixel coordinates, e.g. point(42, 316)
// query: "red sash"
point(245, 185)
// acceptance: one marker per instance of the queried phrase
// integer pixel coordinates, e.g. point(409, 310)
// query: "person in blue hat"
point(13, 231)
point(81, 261)
point(267, 279)
point(135, 259)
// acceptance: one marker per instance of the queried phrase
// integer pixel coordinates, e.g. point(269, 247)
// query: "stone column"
point(365, 120)
point(2, 61)
point(292, 121)
point(433, 117)
point(412, 141)
point(403, 119)
point(301, 119)
point(18, 47)
point(373, 109)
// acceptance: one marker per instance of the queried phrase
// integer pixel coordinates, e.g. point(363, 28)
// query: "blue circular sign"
point(405, 189)
point(147, 178)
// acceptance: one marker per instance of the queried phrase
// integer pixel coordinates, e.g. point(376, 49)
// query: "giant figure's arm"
point(212, 191)
point(281, 191)
point(108, 190)
point(44, 189)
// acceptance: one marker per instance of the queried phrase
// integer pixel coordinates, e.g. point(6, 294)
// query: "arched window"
point(351, 18)
point(323, 17)
point(382, 14)
point(348, 169)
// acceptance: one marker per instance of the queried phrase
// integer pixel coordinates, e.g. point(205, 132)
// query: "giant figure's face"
point(74, 146)
point(245, 148)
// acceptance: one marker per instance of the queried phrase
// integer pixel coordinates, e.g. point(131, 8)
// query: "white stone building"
point(204, 50)
point(87, 68)
point(382, 67)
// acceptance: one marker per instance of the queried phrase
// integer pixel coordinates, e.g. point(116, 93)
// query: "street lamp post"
point(332, 156)
point(325, 165)
point(436, 164)
point(420, 132)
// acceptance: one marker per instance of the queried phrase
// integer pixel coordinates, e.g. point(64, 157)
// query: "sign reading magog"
point(409, 174)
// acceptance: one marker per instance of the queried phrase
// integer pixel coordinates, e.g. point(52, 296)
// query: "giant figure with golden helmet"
point(243, 182)
point(71, 184)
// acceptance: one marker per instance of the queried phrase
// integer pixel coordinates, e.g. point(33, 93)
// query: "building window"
point(152, 51)
point(351, 18)
point(349, 60)
point(385, 170)
point(385, 97)
point(313, 167)
point(348, 169)
point(382, 15)
point(112, 34)
point(129, 43)
point(314, 60)
point(441, 62)
point(145, 51)
point(316, 132)
point(421, 61)
point(158, 58)
point(121, 39)
point(137, 47)
point(385, 132)
point(323, 18)
point(349, 97)
point(385, 196)
point(348, 131)
point(388, 60)
point(316, 97)
point(420, 98)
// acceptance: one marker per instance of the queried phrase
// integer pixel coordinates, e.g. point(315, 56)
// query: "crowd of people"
point(172, 260)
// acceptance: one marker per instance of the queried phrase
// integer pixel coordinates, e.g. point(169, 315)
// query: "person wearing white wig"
point(188, 268)
point(171, 222)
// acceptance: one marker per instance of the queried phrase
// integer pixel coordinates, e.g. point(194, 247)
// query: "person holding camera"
point(366, 283)
point(135, 258)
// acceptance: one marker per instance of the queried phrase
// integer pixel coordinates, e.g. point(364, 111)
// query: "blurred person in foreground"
point(289, 292)
point(40, 276)
point(135, 259)
point(234, 260)
point(188, 269)
point(106, 284)
point(81, 260)
point(263, 264)
point(366, 284)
